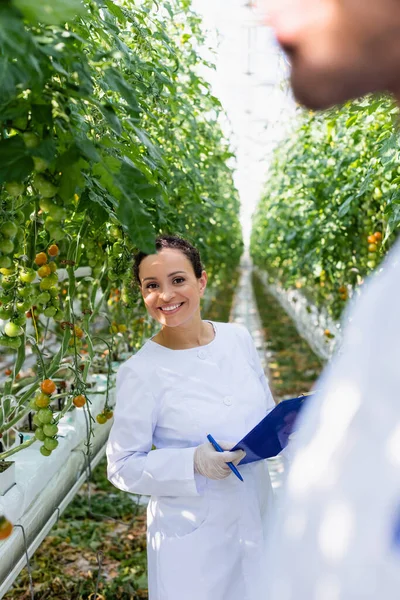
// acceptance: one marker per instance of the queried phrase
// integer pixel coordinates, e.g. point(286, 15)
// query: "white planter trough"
point(7, 476)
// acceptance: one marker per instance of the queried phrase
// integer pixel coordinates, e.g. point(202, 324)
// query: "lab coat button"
point(202, 354)
point(228, 400)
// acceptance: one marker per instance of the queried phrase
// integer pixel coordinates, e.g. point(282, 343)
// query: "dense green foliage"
point(108, 136)
point(333, 183)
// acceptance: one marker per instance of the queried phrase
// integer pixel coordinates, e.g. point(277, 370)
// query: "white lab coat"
point(205, 538)
point(338, 535)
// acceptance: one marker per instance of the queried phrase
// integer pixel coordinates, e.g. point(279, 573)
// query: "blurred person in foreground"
point(338, 535)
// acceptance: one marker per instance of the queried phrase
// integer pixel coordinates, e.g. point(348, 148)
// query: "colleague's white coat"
point(205, 538)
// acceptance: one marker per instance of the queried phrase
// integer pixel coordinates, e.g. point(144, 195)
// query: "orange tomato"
point(5, 528)
point(44, 271)
point(79, 401)
point(48, 386)
point(41, 258)
point(378, 235)
point(53, 250)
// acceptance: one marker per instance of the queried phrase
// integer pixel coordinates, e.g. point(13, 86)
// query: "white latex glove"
point(212, 464)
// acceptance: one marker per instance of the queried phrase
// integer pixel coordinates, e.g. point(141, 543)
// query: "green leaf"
point(50, 12)
point(15, 163)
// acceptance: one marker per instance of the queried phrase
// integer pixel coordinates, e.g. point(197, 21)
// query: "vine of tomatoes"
point(108, 137)
point(330, 207)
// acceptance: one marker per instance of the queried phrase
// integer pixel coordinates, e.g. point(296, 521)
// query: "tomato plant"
point(330, 207)
point(109, 136)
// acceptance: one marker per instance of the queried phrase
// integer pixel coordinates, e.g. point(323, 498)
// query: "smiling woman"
point(205, 528)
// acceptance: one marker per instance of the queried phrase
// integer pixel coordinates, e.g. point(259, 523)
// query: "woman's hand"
point(212, 464)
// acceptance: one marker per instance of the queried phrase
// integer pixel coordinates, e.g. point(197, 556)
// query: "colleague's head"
point(339, 49)
point(172, 280)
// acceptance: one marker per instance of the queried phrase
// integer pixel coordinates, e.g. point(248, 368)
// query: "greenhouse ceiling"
point(250, 80)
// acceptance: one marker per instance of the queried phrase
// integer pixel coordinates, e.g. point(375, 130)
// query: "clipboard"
point(271, 434)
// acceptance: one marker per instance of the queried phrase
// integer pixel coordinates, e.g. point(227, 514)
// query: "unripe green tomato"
point(58, 213)
point(31, 139)
point(13, 330)
point(22, 306)
point(14, 188)
point(6, 246)
point(40, 164)
point(92, 262)
point(6, 297)
point(5, 262)
point(45, 451)
point(45, 415)
point(39, 434)
point(59, 316)
point(35, 420)
point(9, 342)
point(50, 443)
point(371, 264)
point(50, 429)
point(34, 406)
point(8, 229)
point(25, 292)
point(27, 275)
point(43, 298)
point(45, 188)
point(42, 400)
point(5, 313)
point(7, 283)
point(54, 292)
point(50, 311)
point(48, 282)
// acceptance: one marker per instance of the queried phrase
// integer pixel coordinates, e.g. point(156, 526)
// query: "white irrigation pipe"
point(44, 512)
point(310, 322)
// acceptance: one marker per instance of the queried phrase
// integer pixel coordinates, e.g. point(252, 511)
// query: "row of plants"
point(330, 209)
point(108, 136)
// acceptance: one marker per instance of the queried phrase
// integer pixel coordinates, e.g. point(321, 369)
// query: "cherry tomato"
point(50, 443)
point(8, 229)
point(45, 451)
point(79, 401)
point(53, 250)
point(45, 415)
point(27, 275)
point(101, 418)
point(50, 429)
point(44, 271)
point(48, 386)
point(39, 434)
point(42, 400)
point(5, 528)
point(13, 330)
point(41, 258)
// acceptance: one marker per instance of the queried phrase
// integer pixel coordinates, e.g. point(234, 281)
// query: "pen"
point(219, 449)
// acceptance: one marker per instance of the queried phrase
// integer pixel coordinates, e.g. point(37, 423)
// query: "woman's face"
point(170, 289)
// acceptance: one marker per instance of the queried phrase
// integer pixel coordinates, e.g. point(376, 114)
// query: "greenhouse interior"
point(123, 121)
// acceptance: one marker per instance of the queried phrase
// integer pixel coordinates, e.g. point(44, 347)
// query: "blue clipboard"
point(271, 434)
